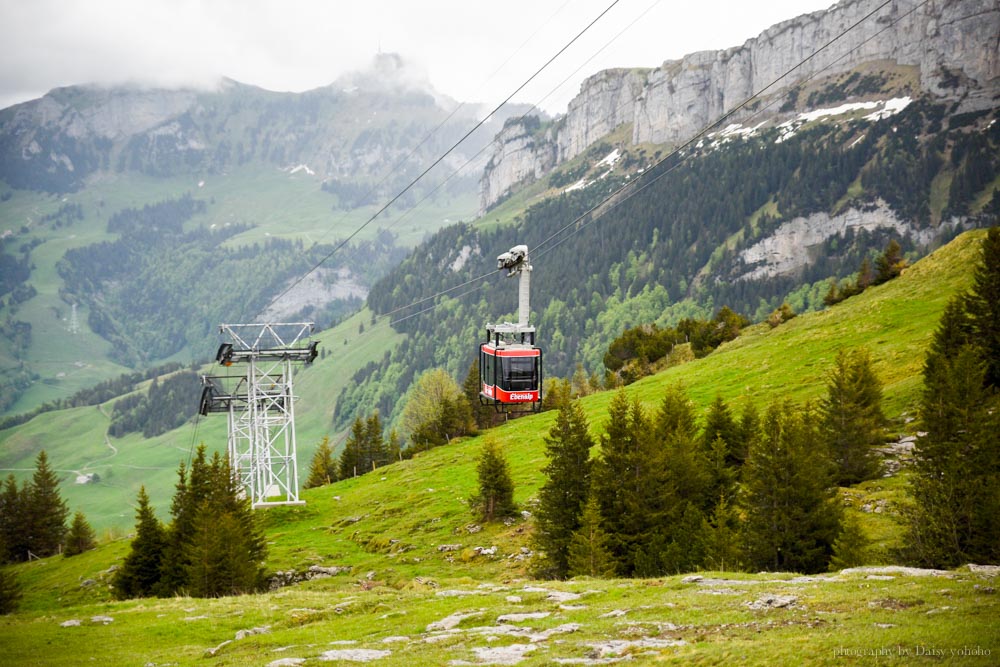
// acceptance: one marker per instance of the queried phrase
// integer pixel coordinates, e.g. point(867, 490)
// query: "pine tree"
point(787, 498)
point(140, 573)
point(956, 484)
point(850, 549)
point(721, 425)
point(983, 306)
point(81, 536)
point(890, 263)
point(615, 475)
point(227, 548)
point(588, 553)
point(10, 592)
point(191, 487)
point(852, 419)
point(45, 509)
point(482, 415)
point(565, 491)
point(351, 464)
point(323, 468)
point(13, 527)
point(494, 498)
point(375, 453)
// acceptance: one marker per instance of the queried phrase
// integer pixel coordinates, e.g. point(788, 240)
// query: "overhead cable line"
point(698, 135)
point(403, 160)
point(677, 151)
point(440, 158)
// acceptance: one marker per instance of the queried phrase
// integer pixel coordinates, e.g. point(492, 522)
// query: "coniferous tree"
point(983, 306)
point(393, 447)
point(323, 467)
point(494, 498)
point(80, 537)
point(45, 510)
point(13, 527)
point(721, 425)
point(588, 553)
point(850, 549)
point(140, 573)
point(787, 497)
point(350, 463)
point(375, 453)
point(616, 476)
point(890, 263)
point(227, 548)
point(957, 465)
point(565, 491)
point(482, 415)
point(10, 592)
point(852, 419)
point(191, 488)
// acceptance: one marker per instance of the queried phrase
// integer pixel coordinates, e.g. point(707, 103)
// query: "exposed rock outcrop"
point(953, 45)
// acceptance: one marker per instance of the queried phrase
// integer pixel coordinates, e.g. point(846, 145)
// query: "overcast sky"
point(472, 51)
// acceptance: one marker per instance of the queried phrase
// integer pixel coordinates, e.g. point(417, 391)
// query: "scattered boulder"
point(450, 622)
point(103, 620)
point(354, 655)
point(504, 655)
point(773, 602)
point(243, 634)
point(213, 651)
point(72, 623)
point(444, 548)
point(287, 662)
point(519, 618)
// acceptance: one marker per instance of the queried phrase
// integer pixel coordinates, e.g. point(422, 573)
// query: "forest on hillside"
point(671, 251)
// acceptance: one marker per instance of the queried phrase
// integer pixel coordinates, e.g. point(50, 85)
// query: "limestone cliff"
point(952, 45)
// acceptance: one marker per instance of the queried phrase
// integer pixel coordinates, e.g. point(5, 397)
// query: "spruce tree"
point(850, 549)
point(983, 306)
point(890, 263)
point(140, 572)
point(956, 486)
point(351, 464)
point(494, 498)
point(565, 491)
point(323, 467)
point(588, 553)
point(614, 479)
point(81, 536)
point(375, 453)
point(482, 415)
point(852, 421)
point(45, 509)
point(788, 500)
point(227, 547)
point(13, 521)
point(10, 592)
point(191, 487)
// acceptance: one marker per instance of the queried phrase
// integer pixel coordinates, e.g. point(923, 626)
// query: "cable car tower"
point(260, 405)
point(510, 365)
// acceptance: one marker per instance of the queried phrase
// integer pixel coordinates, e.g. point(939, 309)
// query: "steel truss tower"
point(260, 405)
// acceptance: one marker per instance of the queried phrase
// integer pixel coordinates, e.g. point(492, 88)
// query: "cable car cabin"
point(510, 374)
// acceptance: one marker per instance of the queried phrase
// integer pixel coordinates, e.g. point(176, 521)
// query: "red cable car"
point(510, 365)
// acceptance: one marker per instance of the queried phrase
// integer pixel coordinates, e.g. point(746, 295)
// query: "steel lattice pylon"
point(260, 405)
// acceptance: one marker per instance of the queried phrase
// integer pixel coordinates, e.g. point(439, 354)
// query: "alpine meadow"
point(704, 369)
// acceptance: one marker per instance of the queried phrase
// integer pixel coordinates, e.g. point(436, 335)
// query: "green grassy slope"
point(76, 441)
point(410, 542)
point(276, 203)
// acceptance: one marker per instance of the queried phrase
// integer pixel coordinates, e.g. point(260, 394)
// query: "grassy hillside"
point(276, 203)
point(416, 566)
point(76, 440)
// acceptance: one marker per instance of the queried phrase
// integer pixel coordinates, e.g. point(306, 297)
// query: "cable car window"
point(519, 373)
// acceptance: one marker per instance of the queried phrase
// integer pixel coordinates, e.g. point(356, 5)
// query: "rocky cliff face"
point(954, 45)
